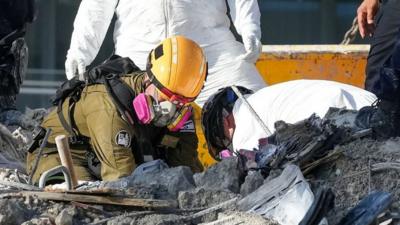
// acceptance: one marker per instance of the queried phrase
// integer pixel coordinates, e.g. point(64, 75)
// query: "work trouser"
point(383, 42)
point(96, 117)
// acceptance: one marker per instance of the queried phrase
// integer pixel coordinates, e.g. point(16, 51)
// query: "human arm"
point(365, 16)
point(182, 147)
point(90, 28)
point(245, 16)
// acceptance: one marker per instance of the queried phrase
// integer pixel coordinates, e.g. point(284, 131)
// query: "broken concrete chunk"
point(10, 156)
point(225, 175)
point(147, 192)
point(13, 211)
point(28, 120)
point(11, 175)
point(122, 183)
point(11, 118)
point(164, 184)
point(390, 146)
point(342, 117)
point(174, 179)
point(236, 218)
point(155, 166)
point(66, 216)
point(253, 180)
point(199, 198)
point(120, 221)
point(40, 221)
point(155, 219)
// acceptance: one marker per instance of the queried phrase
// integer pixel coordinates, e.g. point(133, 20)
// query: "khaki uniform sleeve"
point(110, 136)
point(182, 148)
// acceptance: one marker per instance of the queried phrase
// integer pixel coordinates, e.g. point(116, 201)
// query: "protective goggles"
point(171, 96)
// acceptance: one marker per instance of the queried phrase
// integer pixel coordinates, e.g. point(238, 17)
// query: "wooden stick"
point(96, 199)
point(65, 156)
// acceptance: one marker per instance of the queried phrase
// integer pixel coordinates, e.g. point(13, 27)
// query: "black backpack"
point(107, 73)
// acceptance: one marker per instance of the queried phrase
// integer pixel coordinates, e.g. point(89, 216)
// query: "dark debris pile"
point(330, 157)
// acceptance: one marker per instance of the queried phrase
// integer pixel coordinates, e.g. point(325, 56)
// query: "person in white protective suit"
point(227, 120)
point(142, 24)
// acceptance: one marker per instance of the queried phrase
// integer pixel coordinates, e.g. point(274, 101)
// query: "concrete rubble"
point(329, 154)
point(226, 175)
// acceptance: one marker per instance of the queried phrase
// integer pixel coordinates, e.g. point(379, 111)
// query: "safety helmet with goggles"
point(178, 68)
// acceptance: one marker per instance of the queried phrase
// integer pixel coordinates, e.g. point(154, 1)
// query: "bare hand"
point(365, 15)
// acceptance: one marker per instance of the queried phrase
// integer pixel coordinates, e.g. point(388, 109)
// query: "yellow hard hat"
point(178, 68)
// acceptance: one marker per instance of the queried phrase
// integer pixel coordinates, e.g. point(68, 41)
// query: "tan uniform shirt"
point(111, 138)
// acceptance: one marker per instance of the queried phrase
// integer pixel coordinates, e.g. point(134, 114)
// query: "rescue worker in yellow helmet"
point(126, 118)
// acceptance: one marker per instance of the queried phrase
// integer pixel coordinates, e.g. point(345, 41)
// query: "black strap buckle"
point(111, 76)
point(37, 136)
point(78, 140)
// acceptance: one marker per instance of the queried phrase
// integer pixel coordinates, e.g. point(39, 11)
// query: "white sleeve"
point(246, 15)
point(90, 28)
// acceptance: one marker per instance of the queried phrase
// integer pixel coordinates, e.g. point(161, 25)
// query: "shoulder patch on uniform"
point(123, 138)
point(188, 127)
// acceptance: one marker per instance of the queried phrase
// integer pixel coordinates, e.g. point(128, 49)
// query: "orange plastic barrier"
point(343, 63)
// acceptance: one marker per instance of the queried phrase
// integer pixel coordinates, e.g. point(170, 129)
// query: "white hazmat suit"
point(142, 24)
point(292, 102)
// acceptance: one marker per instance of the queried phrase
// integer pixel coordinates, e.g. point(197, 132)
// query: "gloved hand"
point(73, 67)
point(253, 48)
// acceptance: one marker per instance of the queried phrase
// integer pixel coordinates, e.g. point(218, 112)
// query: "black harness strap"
point(76, 138)
point(122, 96)
point(63, 121)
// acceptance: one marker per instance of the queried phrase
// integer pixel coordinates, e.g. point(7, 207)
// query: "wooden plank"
point(95, 199)
point(98, 191)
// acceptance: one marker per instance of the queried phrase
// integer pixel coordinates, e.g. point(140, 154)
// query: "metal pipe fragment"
point(39, 154)
point(56, 170)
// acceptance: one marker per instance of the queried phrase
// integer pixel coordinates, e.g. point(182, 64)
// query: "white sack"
point(291, 102)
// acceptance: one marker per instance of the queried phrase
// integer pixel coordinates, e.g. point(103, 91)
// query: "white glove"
point(253, 48)
point(75, 67)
